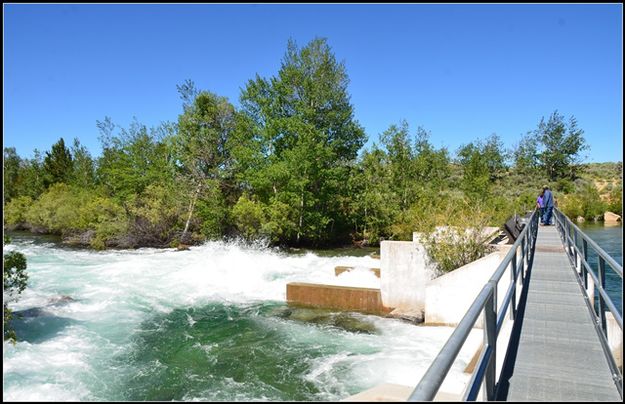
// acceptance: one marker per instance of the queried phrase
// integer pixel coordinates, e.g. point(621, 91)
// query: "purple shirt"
point(539, 200)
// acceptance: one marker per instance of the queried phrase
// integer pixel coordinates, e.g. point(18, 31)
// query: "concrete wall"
point(615, 338)
point(364, 300)
point(404, 274)
point(448, 297)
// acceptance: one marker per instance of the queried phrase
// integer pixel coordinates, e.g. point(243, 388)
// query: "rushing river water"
point(205, 324)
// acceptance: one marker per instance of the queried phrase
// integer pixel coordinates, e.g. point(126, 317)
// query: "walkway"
point(559, 356)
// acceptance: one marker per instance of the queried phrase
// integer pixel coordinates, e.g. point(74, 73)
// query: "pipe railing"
point(571, 235)
point(485, 302)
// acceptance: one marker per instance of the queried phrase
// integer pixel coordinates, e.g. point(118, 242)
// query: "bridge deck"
point(559, 356)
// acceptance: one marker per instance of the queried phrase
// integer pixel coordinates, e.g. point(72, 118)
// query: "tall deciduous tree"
point(561, 145)
point(306, 130)
point(11, 167)
point(83, 173)
point(205, 136)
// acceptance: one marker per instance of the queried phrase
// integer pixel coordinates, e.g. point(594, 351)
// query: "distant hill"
point(606, 177)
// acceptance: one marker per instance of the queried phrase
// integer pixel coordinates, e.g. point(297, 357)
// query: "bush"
point(56, 209)
point(586, 203)
point(106, 218)
point(15, 211)
point(616, 200)
point(462, 241)
point(249, 217)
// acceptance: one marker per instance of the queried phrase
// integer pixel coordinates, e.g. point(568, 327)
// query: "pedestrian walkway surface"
point(559, 357)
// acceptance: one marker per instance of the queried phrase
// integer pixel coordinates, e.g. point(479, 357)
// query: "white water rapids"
point(73, 350)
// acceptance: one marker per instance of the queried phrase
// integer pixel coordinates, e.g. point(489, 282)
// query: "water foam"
point(113, 292)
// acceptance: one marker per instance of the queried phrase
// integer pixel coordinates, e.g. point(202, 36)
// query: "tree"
point(15, 280)
point(303, 126)
point(58, 164)
point(30, 180)
point(431, 166)
point(525, 155)
point(11, 167)
point(561, 146)
point(83, 170)
point(133, 159)
point(400, 156)
point(374, 200)
point(203, 143)
point(483, 162)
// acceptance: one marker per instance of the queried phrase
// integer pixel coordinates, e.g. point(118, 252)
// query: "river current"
point(210, 323)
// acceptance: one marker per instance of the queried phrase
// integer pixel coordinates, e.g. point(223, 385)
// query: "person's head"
point(542, 193)
point(545, 188)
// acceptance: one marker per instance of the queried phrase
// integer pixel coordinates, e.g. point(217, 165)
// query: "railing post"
point(513, 282)
point(584, 270)
point(577, 267)
point(490, 340)
point(522, 257)
point(601, 302)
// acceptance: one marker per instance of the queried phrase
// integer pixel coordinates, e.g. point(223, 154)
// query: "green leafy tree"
point(525, 155)
point(431, 165)
point(372, 200)
point(561, 145)
point(483, 162)
point(400, 157)
point(15, 280)
point(303, 125)
point(58, 164)
point(83, 171)
point(11, 168)
point(133, 159)
point(203, 142)
point(30, 180)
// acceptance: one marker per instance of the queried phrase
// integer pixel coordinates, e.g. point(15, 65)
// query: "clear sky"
point(461, 72)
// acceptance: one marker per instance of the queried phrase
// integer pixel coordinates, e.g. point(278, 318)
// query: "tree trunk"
point(301, 215)
point(191, 207)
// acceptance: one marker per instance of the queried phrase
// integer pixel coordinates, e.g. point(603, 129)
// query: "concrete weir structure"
point(404, 274)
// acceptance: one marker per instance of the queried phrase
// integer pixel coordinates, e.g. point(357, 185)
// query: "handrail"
point(485, 301)
point(579, 261)
point(583, 268)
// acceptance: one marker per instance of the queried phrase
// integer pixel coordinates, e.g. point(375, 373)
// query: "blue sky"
point(461, 72)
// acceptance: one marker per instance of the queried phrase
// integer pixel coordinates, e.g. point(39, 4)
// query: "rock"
point(580, 219)
point(58, 300)
point(610, 217)
point(81, 239)
point(182, 247)
point(411, 316)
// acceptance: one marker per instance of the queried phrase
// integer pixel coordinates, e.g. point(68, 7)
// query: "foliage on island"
point(289, 166)
point(15, 280)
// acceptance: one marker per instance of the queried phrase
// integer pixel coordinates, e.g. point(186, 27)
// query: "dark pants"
point(542, 213)
point(547, 215)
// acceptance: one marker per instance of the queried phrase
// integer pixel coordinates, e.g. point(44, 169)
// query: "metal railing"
point(571, 236)
point(486, 302)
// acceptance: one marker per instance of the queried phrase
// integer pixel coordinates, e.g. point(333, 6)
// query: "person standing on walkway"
point(540, 205)
point(548, 205)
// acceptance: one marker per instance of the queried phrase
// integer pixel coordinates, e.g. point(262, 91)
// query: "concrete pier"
point(364, 300)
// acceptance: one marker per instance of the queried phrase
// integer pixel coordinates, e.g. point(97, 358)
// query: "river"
point(210, 323)
point(610, 239)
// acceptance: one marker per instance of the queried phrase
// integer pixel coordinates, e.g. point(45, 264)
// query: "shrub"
point(15, 210)
point(463, 240)
point(56, 209)
point(249, 217)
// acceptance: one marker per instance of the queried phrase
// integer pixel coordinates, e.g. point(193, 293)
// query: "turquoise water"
point(610, 239)
point(210, 323)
